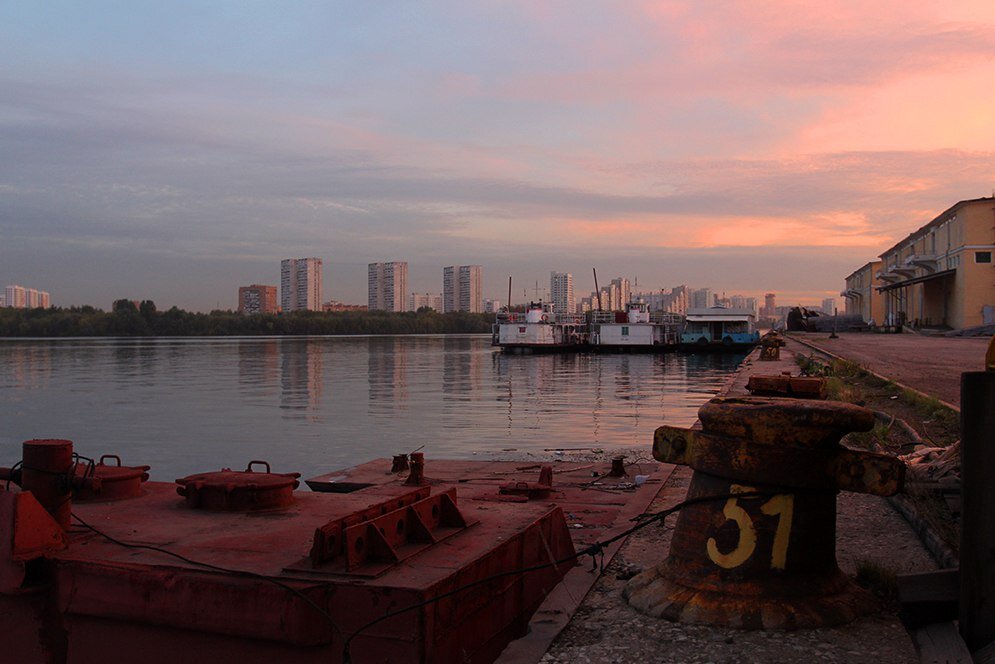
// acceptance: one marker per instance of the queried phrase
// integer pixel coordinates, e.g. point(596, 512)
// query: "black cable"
point(216, 568)
point(593, 550)
point(10, 477)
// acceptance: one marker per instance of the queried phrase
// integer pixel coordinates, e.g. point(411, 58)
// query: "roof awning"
point(916, 280)
point(725, 318)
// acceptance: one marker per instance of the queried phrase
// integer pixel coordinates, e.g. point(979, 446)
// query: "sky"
point(175, 151)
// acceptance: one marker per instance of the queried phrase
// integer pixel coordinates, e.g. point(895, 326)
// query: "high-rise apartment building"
point(425, 300)
point(751, 305)
point(702, 298)
point(257, 299)
point(561, 292)
point(462, 288)
point(19, 297)
point(492, 306)
point(829, 306)
point(387, 286)
point(15, 296)
point(621, 293)
point(770, 305)
point(300, 284)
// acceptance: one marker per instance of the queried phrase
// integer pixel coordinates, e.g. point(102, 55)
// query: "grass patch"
point(935, 423)
point(875, 439)
point(878, 578)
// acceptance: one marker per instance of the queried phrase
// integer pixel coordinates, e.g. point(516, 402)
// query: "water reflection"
point(189, 405)
point(300, 375)
point(258, 364)
point(387, 368)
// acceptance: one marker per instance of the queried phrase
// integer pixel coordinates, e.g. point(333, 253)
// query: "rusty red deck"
point(97, 599)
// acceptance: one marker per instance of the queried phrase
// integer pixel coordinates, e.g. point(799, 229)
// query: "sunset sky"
point(176, 150)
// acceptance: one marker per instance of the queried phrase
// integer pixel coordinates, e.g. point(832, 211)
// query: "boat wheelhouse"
point(636, 329)
point(719, 328)
point(539, 329)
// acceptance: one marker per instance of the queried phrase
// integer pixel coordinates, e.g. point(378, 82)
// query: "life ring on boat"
point(727, 341)
point(545, 318)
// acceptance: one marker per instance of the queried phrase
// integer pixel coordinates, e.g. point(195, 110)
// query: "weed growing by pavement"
point(935, 423)
point(880, 579)
point(876, 439)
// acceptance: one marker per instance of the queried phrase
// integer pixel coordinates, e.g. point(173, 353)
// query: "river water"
point(316, 404)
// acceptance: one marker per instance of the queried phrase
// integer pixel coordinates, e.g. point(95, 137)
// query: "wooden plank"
point(986, 655)
point(940, 643)
point(977, 541)
point(928, 598)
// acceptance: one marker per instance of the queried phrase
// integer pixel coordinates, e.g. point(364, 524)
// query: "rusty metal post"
point(618, 467)
point(417, 475)
point(766, 560)
point(399, 464)
point(46, 472)
point(977, 536)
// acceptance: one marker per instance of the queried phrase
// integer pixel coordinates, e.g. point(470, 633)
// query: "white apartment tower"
point(20, 297)
point(421, 300)
point(300, 284)
point(561, 289)
point(621, 292)
point(702, 298)
point(387, 286)
point(462, 288)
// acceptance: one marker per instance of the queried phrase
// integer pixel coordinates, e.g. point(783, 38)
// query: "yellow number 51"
point(782, 505)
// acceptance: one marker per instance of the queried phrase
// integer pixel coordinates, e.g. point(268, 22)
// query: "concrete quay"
point(931, 365)
point(604, 628)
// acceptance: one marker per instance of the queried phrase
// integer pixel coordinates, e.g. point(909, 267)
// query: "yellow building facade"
point(943, 274)
point(862, 296)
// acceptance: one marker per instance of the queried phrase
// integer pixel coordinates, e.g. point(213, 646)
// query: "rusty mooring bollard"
point(764, 561)
point(46, 472)
point(417, 475)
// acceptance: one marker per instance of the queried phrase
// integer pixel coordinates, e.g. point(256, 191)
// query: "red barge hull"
point(298, 581)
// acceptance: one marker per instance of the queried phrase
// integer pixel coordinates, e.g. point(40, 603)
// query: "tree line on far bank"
point(128, 319)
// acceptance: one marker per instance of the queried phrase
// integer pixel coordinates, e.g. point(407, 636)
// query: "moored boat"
point(635, 330)
point(719, 328)
point(539, 329)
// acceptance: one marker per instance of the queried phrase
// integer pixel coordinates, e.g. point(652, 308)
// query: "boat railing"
point(666, 318)
point(602, 316)
point(571, 319)
point(510, 317)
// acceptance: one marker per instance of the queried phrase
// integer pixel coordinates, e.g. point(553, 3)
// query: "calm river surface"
point(315, 404)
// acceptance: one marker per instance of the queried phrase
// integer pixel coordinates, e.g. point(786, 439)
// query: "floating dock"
point(446, 564)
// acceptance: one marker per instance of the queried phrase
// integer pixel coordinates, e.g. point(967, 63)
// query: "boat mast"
point(596, 289)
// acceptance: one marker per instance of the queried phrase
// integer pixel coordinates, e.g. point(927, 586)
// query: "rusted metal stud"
point(786, 385)
point(770, 346)
point(399, 464)
point(106, 482)
point(45, 472)
point(228, 490)
point(417, 475)
point(618, 467)
point(765, 560)
point(539, 489)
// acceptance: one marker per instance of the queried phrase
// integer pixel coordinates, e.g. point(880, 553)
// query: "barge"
point(539, 330)
point(437, 562)
point(719, 328)
point(635, 330)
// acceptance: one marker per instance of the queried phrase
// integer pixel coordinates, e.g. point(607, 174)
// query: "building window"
point(982, 257)
point(625, 331)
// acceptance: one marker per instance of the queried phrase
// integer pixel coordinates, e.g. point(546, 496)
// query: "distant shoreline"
point(144, 320)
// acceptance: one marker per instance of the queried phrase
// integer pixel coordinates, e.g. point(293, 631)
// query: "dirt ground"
point(606, 629)
point(929, 364)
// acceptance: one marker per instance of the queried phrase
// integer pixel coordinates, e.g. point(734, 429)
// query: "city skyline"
point(751, 148)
